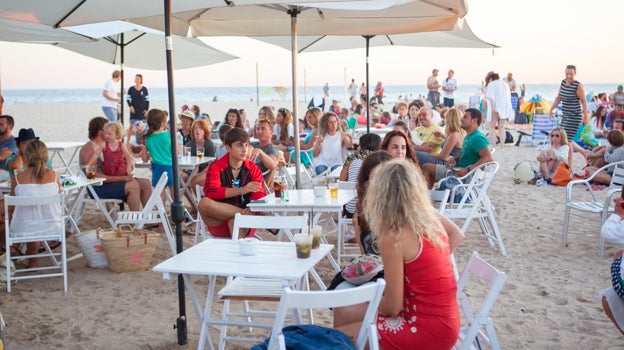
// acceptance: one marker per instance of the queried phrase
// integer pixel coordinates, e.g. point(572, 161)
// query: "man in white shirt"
point(353, 88)
point(497, 108)
point(512, 89)
point(111, 96)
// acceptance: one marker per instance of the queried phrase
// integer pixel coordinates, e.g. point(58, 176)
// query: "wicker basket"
point(130, 249)
point(91, 247)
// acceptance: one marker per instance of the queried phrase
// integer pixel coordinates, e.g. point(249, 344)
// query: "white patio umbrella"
point(25, 32)
point(317, 18)
point(459, 37)
point(129, 44)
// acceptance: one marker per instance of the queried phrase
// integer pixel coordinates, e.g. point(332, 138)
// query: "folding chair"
point(257, 289)
point(596, 205)
point(153, 213)
point(15, 237)
point(472, 333)
point(475, 203)
point(440, 200)
point(345, 222)
point(368, 293)
point(542, 125)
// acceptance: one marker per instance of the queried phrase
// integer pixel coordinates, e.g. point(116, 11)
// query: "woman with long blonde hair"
point(453, 140)
point(419, 305)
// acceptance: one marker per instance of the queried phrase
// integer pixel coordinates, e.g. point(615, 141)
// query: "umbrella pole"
point(123, 94)
point(368, 119)
point(177, 210)
point(293, 12)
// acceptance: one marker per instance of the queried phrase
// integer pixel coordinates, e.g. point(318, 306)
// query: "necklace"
point(236, 169)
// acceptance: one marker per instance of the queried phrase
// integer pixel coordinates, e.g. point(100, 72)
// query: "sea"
point(267, 94)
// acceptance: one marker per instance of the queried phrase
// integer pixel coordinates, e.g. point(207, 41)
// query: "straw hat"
point(187, 114)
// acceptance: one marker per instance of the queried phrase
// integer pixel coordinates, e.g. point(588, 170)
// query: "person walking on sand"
point(433, 86)
point(353, 88)
point(497, 109)
point(326, 91)
point(449, 87)
point(111, 96)
point(571, 95)
point(138, 103)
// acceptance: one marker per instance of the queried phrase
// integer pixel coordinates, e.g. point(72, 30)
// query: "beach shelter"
point(461, 36)
point(128, 44)
point(318, 18)
point(25, 32)
point(536, 102)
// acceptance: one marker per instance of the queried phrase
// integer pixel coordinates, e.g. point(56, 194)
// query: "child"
point(613, 228)
point(117, 160)
point(158, 146)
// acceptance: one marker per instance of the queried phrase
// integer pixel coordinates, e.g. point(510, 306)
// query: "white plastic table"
point(58, 148)
point(304, 201)
point(220, 257)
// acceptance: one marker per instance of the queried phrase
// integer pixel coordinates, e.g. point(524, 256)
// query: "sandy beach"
point(550, 300)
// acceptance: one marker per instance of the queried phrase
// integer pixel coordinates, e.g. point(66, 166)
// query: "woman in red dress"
point(419, 305)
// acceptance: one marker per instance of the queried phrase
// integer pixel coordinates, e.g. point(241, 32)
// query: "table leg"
point(101, 206)
point(204, 334)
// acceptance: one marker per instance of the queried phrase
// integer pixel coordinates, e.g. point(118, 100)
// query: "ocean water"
point(264, 94)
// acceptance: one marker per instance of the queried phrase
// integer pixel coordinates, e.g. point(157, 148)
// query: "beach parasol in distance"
point(536, 102)
point(282, 91)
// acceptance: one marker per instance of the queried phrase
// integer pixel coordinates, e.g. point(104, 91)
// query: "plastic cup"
point(187, 152)
point(316, 236)
point(90, 170)
point(200, 153)
point(303, 245)
point(333, 190)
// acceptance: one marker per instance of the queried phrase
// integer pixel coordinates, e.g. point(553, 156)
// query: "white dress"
point(36, 220)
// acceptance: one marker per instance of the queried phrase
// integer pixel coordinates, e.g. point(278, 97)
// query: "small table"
point(304, 201)
point(57, 148)
point(220, 257)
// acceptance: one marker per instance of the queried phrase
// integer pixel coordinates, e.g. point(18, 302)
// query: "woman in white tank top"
point(330, 146)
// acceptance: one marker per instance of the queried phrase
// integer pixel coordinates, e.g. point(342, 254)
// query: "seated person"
point(453, 140)
point(611, 154)
point(428, 133)
point(549, 156)
point(613, 296)
point(232, 181)
point(617, 113)
point(613, 228)
point(200, 133)
point(330, 145)
point(475, 151)
point(264, 153)
point(223, 130)
point(284, 132)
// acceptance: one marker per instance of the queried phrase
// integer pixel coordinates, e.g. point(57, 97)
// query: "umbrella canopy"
point(320, 18)
point(17, 31)
point(141, 47)
point(536, 102)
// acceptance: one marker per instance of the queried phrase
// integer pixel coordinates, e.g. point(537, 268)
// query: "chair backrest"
point(370, 292)
point(285, 223)
point(617, 178)
point(541, 122)
point(440, 199)
point(494, 280)
point(155, 199)
point(28, 201)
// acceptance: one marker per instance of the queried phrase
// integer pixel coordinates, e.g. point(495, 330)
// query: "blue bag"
point(312, 337)
point(449, 183)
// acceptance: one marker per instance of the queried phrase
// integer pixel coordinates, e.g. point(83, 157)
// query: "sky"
point(537, 40)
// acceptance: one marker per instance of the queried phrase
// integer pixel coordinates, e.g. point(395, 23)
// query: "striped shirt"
point(570, 103)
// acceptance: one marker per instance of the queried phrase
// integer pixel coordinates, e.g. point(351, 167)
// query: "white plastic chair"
point(475, 203)
point(153, 213)
point(596, 205)
point(368, 293)
point(26, 237)
point(472, 332)
point(344, 247)
point(440, 200)
point(257, 289)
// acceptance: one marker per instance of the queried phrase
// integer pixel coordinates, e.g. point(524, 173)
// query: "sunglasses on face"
point(555, 135)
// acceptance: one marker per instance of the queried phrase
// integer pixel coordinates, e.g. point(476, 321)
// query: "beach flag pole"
point(177, 213)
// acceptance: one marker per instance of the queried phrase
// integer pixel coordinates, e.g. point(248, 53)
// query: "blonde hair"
point(452, 120)
point(397, 202)
point(116, 127)
point(36, 158)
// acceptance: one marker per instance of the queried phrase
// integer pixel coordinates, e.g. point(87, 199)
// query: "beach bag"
point(311, 337)
point(587, 136)
point(523, 172)
point(562, 175)
point(362, 269)
point(130, 249)
point(448, 183)
point(91, 247)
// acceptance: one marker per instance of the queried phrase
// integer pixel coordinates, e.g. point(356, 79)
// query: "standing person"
point(449, 87)
point(379, 92)
point(618, 96)
point(232, 181)
point(326, 91)
point(498, 107)
point(158, 147)
point(111, 96)
point(353, 88)
point(433, 86)
point(363, 92)
point(36, 180)
point(138, 100)
point(509, 80)
point(419, 305)
point(573, 104)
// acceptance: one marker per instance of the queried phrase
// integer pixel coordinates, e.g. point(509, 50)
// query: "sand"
point(550, 301)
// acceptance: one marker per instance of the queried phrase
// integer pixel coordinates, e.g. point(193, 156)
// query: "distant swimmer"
point(215, 99)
